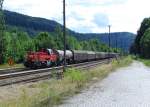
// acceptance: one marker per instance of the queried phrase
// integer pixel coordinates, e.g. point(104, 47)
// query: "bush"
point(76, 76)
point(145, 44)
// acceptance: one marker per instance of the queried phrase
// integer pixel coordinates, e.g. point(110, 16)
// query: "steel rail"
point(42, 74)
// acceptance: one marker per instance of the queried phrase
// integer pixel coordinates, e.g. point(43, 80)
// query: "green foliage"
point(44, 40)
point(145, 61)
point(124, 61)
point(137, 47)
point(141, 45)
point(74, 75)
point(58, 38)
point(73, 43)
point(145, 44)
point(2, 34)
point(18, 43)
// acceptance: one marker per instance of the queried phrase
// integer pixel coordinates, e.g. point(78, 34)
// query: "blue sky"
point(87, 16)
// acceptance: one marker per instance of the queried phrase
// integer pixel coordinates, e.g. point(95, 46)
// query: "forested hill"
point(29, 24)
point(120, 39)
point(33, 25)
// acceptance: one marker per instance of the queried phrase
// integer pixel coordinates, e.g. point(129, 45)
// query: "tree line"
point(141, 45)
point(18, 43)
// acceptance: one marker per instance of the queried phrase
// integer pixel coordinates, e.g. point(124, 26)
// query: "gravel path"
point(128, 87)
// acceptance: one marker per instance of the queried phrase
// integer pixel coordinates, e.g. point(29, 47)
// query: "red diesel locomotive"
point(42, 58)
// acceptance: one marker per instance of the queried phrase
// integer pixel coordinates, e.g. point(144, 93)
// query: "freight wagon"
point(52, 57)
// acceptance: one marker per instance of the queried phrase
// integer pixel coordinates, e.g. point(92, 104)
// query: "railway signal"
point(10, 61)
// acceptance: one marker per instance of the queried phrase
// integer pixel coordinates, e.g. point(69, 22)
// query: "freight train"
point(52, 57)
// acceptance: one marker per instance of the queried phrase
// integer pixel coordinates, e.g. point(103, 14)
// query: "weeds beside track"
point(53, 92)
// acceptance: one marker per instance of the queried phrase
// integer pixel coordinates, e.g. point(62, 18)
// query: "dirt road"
point(127, 87)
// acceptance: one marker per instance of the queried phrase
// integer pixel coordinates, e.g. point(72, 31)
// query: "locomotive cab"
point(42, 58)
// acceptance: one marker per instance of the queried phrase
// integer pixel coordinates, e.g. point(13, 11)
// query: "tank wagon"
point(52, 57)
point(60, 57)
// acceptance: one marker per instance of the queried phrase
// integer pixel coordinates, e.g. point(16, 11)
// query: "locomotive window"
point(48, 52)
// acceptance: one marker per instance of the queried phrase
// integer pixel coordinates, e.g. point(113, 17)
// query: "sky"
point(87, 16)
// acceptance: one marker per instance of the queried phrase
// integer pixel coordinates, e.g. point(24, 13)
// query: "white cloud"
point(95, 2)
point(38, 8)
point(123, 15)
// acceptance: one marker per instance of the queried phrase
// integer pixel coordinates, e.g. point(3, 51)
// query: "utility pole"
point(1, 4)
point(116, 43)
point(2, 27)
point(122, 51)
point(109, 26)
point(109, 34)
point(64, 34)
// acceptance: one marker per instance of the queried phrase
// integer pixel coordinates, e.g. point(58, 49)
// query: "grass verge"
point(53, 92)
point(5, 66)
point(145, 61)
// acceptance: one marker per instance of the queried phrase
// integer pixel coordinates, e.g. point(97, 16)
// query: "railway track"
point(12, 70)
point(25, 76)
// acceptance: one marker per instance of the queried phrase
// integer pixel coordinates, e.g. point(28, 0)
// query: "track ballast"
point(26, 76)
